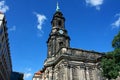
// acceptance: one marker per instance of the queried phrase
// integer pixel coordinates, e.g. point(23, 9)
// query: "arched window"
point(59, 23)
point(61, 44)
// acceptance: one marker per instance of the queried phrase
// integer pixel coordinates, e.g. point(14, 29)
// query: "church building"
point(64, 62)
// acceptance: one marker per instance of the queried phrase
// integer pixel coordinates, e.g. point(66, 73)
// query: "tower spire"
point(57, 8)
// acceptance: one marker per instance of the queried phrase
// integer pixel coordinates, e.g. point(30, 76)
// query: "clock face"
point(61, 31)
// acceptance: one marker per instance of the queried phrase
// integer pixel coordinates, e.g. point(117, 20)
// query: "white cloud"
point(116, 24)
point(94, 3)
point(41, 18)
point(27, 75)
point(3, 7)
point(12, 28)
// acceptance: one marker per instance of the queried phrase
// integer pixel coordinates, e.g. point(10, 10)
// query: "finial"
point(57, 8)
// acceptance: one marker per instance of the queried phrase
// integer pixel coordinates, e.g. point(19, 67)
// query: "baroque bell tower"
point(64, 62)
point(58, 37)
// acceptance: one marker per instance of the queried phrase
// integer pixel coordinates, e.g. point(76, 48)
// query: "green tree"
point(116, 41)
point(110, 63)
point(116, 46)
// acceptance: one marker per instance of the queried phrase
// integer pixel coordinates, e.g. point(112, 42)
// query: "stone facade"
point(73, 64)
point(64, 62)
point(38, 75)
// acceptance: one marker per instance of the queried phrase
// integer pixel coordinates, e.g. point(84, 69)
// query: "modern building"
point(5, 58)
point(16, 76)
point(64, 62)
point(6, 72)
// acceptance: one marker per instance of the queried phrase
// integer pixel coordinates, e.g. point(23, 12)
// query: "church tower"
point(64, 62)
point(58, 37)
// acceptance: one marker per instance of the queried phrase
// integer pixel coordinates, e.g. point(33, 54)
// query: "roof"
point(38, 73)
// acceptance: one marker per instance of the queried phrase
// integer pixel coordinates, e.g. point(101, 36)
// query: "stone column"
point(50, 74)
point(70, 73)
point(45, 74)
point(93, 72)
point(54, 45)
point(98, 74)
point(81, 73)
point(66, 72)
point(90, 73)
point(87, 73)
point(55, 76)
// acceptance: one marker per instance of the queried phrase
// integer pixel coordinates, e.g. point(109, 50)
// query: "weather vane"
point(57, 8)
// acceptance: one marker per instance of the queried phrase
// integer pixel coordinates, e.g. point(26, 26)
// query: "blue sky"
point(91, 25)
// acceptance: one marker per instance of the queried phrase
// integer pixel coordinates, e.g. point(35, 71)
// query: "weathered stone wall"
point(75, 70)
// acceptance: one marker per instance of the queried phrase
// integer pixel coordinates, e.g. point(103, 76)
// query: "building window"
point(0, 46)
point(2, 38)
point(1, 30)
point(61, 44)
point(59, 23)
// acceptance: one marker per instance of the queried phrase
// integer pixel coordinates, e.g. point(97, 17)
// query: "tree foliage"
point(110, 63)
point(116, 41)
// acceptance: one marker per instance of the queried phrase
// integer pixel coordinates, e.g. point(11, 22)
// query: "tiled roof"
point(38, 73)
